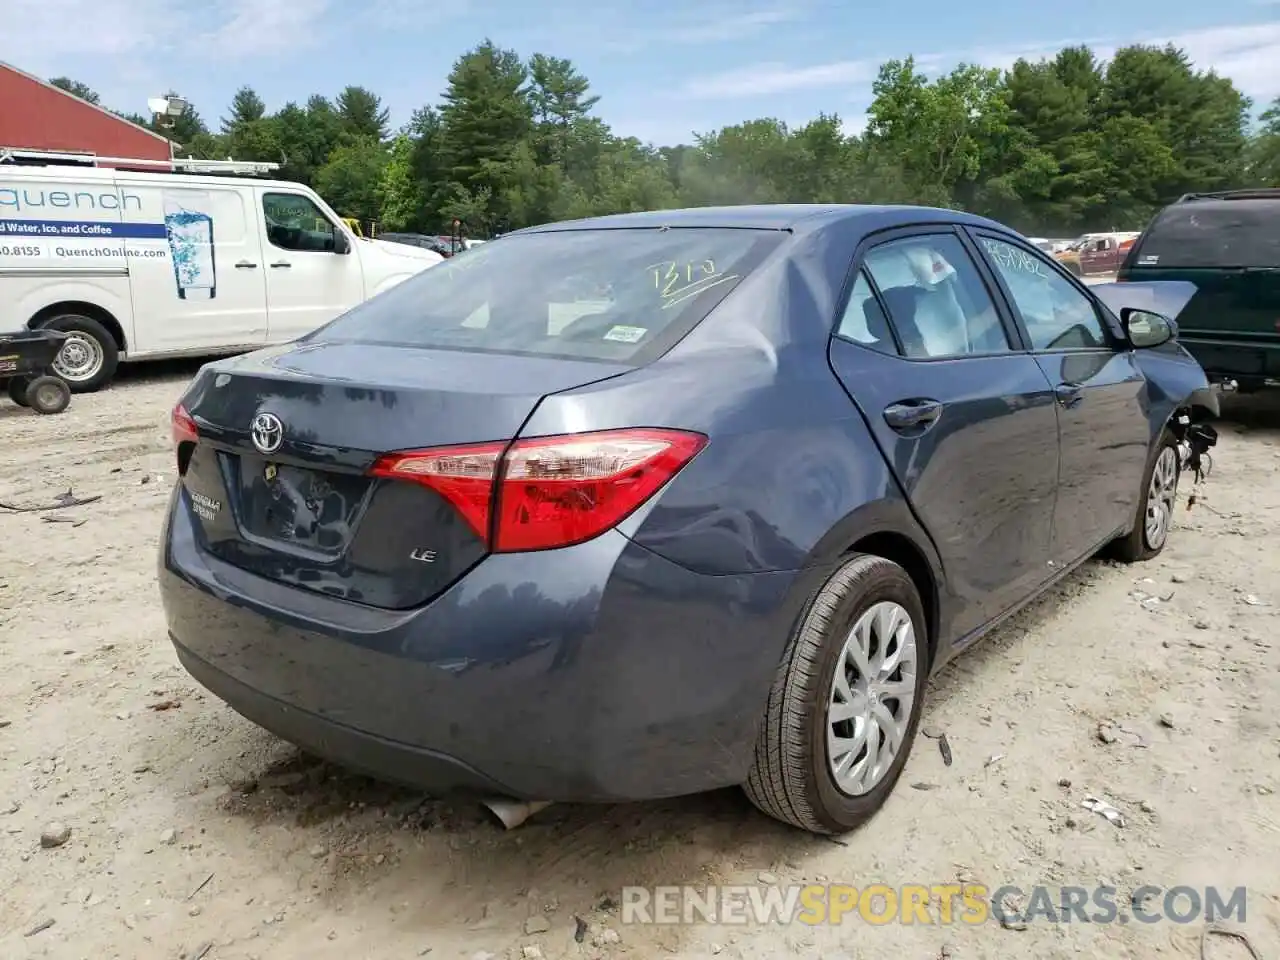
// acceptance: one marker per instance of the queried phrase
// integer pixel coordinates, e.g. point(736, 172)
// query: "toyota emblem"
point(267, 432)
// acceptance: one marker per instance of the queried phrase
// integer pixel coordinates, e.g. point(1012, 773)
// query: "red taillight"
point(462, 475)
point(548, 491)
point(183, 426)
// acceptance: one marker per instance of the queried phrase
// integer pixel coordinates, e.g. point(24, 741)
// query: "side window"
point(294, 222)
point(935, 297)
point(864, 321)
point(1056, 314)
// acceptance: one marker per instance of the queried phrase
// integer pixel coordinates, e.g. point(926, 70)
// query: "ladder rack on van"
point(176, 165)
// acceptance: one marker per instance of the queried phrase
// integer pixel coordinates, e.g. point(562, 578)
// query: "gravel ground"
point(141, 818)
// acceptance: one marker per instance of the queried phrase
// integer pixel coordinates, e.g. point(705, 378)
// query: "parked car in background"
point(421, 240)
point(1228, 245)
point(658, 503)
point(136, 265)
point(1096, 254)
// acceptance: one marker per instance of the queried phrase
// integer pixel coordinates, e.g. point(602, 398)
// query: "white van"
point(143, 265)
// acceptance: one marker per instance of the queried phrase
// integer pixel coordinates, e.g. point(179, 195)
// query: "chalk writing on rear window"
point(677, 282)
point(1009, 257)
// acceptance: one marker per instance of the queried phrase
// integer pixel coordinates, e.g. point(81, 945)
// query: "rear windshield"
point(1232, 233)
point(615, 295)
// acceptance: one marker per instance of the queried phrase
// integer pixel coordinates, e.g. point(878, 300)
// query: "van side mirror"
point(1146, 329)
point(341, 245)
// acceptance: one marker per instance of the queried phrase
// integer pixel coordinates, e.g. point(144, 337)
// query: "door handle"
point(912, 413)
point(281, 264)
point(246, 265)
point(1069, 394)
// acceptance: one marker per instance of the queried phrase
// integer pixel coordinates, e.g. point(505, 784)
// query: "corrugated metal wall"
point(35, 116)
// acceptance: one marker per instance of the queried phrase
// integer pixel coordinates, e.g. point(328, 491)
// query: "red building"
point(35, 115)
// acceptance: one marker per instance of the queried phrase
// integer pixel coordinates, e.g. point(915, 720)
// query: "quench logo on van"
point(34, 200)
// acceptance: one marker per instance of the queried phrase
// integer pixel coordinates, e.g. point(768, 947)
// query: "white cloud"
point(41, 31)
point(770, 78)
point(42, 35)
point(1247, 54)
point(628, 28)
point(252, 28)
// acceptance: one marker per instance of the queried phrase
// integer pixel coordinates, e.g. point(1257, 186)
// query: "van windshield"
point(619, 295)
point(1209, 234)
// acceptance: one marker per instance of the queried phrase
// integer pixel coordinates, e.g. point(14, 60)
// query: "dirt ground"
point(193, 834)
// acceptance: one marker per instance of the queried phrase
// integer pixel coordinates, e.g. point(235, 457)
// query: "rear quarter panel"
point(791, 478)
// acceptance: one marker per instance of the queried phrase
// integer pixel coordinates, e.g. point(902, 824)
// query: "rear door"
point(1101, 394)
point(308, 282)
point(965, 418)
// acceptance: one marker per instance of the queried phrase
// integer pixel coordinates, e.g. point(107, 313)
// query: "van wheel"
point(844, 708)
point(89, 358)
point(1155, 505)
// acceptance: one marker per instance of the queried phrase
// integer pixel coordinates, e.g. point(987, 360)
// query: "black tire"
point(791, 779)
point(18, 390)
point(1137, 544)
point(81, 326)
point(48, 395)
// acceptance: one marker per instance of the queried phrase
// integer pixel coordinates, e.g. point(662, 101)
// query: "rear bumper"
point(601, 672)
point(1248, 361)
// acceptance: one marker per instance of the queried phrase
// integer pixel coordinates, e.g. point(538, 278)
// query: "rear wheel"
point(48, 395)
point(1155, 508)
point(88, 358)
point(18, 390)
point(843, 711)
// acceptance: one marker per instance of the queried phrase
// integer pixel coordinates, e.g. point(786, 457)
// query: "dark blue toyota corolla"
point(647, 505)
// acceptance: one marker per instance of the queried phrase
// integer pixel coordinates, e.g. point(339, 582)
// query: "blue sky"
point(664, 69)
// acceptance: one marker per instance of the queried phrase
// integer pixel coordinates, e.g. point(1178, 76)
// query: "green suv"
point(1228, 245)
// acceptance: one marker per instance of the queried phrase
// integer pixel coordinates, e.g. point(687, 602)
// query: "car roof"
point(794, 217)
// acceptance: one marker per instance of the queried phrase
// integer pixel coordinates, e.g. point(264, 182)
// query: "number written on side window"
point(295, 223)
point(1056, 314)
point(935, 298)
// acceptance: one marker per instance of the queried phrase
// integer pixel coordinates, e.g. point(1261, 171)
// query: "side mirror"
point(1146, 329)
point(341, 245)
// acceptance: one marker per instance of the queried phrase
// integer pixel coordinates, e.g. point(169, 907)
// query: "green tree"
point(1200, 117)
point(485, 118)
point(351, 179)
point(76, 89)
point(561, 100)
point(940, 132)
point(1263, 158)
point(246, 108)
point(399, 191)
point(361, 114)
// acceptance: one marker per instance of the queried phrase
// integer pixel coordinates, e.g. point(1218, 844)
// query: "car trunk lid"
point(280, 481)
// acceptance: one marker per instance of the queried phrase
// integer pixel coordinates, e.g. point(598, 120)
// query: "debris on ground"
point(54, 835)
point(1104, 809)
point(40, 927)
point(1237, 935)
point(61, 502)
point(536, 924)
